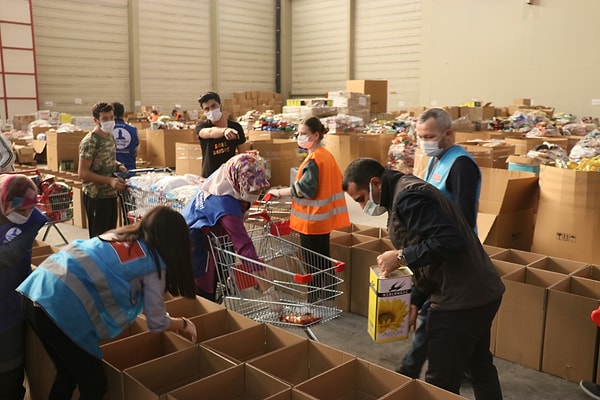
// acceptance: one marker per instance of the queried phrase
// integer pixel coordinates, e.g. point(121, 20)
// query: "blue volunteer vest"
point(126, 139)
point(438, 174)
point(86, 288)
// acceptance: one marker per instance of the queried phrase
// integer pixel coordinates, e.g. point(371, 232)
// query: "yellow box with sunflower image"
point(389, 305)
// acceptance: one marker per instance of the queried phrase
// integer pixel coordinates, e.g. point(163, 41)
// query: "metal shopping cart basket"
point(273, 216)
point(302, 285)
point(136, 200)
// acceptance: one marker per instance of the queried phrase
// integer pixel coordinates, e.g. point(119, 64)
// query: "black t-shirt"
point(216, 151)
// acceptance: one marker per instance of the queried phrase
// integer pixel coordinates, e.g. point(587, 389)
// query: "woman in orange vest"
point(318, 201)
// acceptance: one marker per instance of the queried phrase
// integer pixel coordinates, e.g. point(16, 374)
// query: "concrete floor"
point(349, 333)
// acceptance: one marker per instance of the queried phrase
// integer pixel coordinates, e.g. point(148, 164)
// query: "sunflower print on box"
point(389, 305)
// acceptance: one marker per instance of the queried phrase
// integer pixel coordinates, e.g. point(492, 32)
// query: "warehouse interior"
point(518, 78)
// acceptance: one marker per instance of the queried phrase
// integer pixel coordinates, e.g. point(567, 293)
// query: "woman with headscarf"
point(218, 208)
point(20, 223)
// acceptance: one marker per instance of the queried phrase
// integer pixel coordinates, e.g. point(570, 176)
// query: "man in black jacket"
point(449, 263)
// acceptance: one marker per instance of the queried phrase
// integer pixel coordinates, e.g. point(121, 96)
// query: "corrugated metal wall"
point(387, 45)
point(82, 53)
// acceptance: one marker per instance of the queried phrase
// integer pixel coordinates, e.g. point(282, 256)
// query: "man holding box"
point(449, 264)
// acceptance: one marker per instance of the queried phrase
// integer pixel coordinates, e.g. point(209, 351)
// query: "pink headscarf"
point(239, 176)
point(16, 191)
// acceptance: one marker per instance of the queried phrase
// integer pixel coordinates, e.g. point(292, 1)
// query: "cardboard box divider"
point(235, 383)
point(220, 322)
point(570, 337)
point(560, 265)
point(355, 379)
point(491, 250)
point(524, 306)
point(134, 350)
point(155, 378)
point(184, 307)
point(310, 359)
point(247, 344)
point(518, 256)
point(588, 272)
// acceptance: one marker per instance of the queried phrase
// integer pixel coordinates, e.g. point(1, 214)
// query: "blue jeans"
point(413, 360)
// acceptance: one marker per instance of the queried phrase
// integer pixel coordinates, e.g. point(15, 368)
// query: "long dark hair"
point(165, 232)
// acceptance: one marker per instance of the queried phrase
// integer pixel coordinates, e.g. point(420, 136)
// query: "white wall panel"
point(320, 46)
point(245, 35)
point(174, 52)
point(81, 52)
point(387, 45)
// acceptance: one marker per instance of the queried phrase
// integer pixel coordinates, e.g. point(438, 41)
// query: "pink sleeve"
point(239, 236)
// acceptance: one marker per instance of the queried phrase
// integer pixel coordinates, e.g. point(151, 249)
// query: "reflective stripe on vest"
point(100, 283)
point(319, 203)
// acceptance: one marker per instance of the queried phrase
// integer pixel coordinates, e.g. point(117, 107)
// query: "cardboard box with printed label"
point(235, 383)
point(356, 379)
point(568, 217)
point(188, 158)
point(282, 155)
point(154, 379)
point(524, 306)
point(310, 359)
point(389, 305)
point(570, 336)
point(160, 145)
point(506, 208)
point(376, 88)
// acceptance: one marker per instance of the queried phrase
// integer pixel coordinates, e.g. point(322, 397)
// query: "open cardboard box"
point(152, 380)
point(236, 383)
point(137, 349)
point(355, 379)
point(491, 250)
point(419, 390)
point(184, 307)
point(507, 207)
point(249, 343)
point(363, 256)
point(299, 362)
point(521, 317)
point(518, 257)
point(220, 322)
point(560, 265)
point(571, 337)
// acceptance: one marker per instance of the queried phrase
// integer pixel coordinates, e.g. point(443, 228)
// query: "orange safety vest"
point(328, 210)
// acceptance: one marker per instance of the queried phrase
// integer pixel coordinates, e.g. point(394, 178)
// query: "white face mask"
point(17, 218)
point(372, 208)
point(214, 115)
point(304, 142)
point(430, 148)
point(107, 126)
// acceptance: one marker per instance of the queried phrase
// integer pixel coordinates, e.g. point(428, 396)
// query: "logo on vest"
point(436, 178)
point(11, 234)
point(127, 251)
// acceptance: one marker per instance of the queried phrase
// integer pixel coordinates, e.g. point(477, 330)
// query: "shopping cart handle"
point(339, 266)
point(261, 214)
point(268, 197)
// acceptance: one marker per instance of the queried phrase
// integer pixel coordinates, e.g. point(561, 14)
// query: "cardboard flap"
point(507, 191)
point(485, 222)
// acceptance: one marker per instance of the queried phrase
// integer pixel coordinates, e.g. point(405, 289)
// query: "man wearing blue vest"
point(126, 138)
point(452, 170)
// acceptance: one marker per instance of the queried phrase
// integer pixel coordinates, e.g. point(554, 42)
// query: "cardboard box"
point(363, 256)
point(524, 306)
point(188, 158)
point(184, 307)
point(236, 383)
point(79, 214)
point(160, 145)
point(340, 249)
point(559, 265)
point(347, 147)
point(523, 163)
point(135, 350)
point(484, 112)
point(489, 154)
point(589, 272)
point(507, 206)
point(376, 88)
point(310, 359)
point(61, 147)
point(25, 154)
point(419, 390)
point(491, 250)
point(361, 229)
point(218, 323)
point(282, 154)
point(154, 379)
point(247, 344)
point(389, 305)
point(356, 379)
point(568, 218)
point(570, 336)
point(522, 102)
point(523, 145)
point(520, 257)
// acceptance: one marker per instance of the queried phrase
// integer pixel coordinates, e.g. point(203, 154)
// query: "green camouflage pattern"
point(102, 151)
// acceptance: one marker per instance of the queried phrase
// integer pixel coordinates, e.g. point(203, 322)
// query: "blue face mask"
point(372, 208)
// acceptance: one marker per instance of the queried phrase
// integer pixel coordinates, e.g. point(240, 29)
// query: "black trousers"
point(460, 340)
point(75, 367)
point(101, 214)
point(322, 284)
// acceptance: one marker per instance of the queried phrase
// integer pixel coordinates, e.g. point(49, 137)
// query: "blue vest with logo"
point(11, 275)
point(126, 139)
point(87, 289)
point(438, 174)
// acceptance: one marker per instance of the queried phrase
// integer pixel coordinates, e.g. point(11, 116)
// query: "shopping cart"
point(273, 216)
point(136, 200)
point(303, 285)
